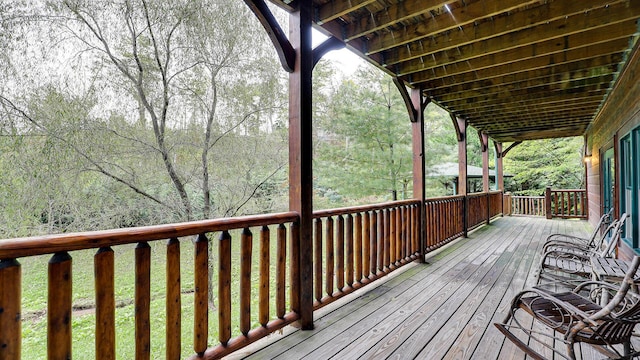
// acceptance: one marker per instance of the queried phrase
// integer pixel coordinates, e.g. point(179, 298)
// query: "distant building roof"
point(450, 169)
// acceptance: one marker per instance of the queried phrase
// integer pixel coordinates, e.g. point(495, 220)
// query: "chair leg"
point(571, 350)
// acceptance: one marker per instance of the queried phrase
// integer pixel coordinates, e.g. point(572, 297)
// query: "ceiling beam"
point(391, 15)
point(447, 32)
point(559, 79)
point(533, 100)
point(562, 35)
point(606, 63)
point(468, 72)
point(478, 97)
point(336, 9)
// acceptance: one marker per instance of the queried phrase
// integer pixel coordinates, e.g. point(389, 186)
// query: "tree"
point(159, 98)
point(365, 139)
point(536, 165)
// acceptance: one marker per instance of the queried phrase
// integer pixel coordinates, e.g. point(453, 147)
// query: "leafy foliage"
point(555, 163)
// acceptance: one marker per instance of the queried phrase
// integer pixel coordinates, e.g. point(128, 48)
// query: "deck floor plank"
point(444, 309)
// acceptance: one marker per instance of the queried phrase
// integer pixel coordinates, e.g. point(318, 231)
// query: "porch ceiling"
point(515, 69)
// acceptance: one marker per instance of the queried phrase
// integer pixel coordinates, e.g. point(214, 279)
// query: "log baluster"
point(143, 301)
point(10, 316)
point(340, 253)
point(374, 236)
point(224, 288)
point(281, 271)
point(392, 232)
point(358, 247)
point(386, 239)
point(246, 249)
point(174, 303)
point(349, 248)
point(366, 246)
point(294, 273)
point(317, 261)
point(329, 256)
point(380, 241)
point(105, 337)
point(263, 313)
point(59, 307)
point(201, 295)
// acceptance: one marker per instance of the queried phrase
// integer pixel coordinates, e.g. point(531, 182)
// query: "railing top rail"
point(526, 197)
point(49, 244)
point(441, 198)
point(495, 192)
point(569, 190)
point(363, 208)
point(477, 194)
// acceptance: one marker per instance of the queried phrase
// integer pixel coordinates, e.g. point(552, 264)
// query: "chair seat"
point(609, 269)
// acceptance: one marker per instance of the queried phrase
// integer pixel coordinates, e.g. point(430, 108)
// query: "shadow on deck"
point(444, 309)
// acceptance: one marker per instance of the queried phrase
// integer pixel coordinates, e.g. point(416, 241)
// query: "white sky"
point(344, 59)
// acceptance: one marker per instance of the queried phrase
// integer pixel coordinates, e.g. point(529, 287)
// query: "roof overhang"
point(513, 69)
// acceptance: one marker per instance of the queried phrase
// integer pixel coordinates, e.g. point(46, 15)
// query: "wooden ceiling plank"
point(581, 70)
point(483, 117)
point(596, 64)
point(479, 96)
point(534, 118)
point(548, 109)
point(535, 100)
point(401, 11)
point(471, 74)
point(444, 22)
point(336, 9)
point(452, 30)
point(542, 40)
point(526, 104)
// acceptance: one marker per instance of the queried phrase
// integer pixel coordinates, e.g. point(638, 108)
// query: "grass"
point(34, 298)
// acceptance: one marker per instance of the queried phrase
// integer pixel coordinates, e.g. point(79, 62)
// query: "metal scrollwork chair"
point(577, 318)
point(592, 242)
point(568, 263)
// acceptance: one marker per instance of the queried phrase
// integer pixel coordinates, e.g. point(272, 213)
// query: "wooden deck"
point(441, 310)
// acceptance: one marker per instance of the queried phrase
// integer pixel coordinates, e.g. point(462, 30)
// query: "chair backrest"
point(613, 230)
point(603, 223)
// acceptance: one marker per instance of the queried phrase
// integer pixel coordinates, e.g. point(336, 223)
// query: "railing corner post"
point(547, 202)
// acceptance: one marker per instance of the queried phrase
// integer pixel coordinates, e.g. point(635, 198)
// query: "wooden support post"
point(499, 166)
point(499, 173)
point(417, 128)
point(547, 202)
point(484, 146)
point(461, 133)
point(300, 157)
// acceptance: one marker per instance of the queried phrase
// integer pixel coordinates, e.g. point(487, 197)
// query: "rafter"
point(336, 9)
point(468, 72)
point(546, 39)
point(447, 29)
point(477, 99)
point(390, 15)
point(601, 64)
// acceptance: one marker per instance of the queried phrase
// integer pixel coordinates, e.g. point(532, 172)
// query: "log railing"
point(248, 273)
point(234, 255)
point(495, 204)
point(444, 220)
point(477, 210)
point(528, 205)
point(566, 203)
point(354, 246)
